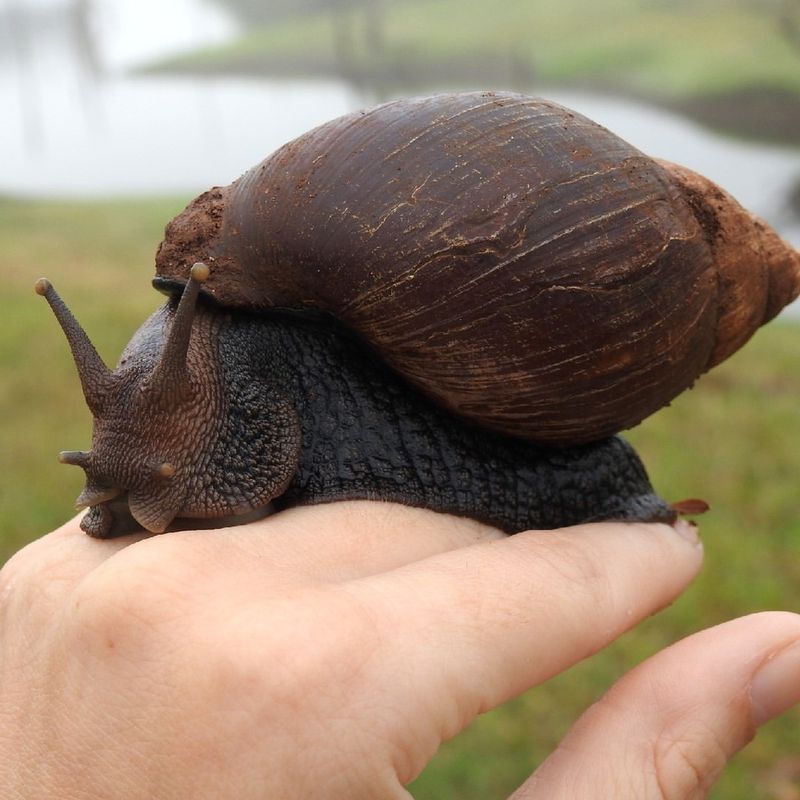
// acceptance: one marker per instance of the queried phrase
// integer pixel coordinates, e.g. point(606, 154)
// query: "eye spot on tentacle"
point(165, 470)
point(76, 458)
point(199, 272)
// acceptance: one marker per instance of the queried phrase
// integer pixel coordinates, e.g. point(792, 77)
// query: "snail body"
point(453, 302)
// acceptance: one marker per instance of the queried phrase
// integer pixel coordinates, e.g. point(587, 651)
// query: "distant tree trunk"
point(789, 21)
point(83, 37)
point(373, 25)
point(343, 37)
point(368, 16)
point(30, 99)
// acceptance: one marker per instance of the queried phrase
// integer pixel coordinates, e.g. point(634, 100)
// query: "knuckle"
point(686, 765)
point(24, 562)
point(12, 574)
point(36, 567)
point(134, 594)
point(14, 570)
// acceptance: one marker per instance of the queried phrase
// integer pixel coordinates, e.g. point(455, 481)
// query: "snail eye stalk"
point(169, 379)
point(94, 375)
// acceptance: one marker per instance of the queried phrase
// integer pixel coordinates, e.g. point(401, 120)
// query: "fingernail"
point(776, 685)
point(687, 530)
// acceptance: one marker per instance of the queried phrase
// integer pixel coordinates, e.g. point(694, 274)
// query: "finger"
point(481, 624)
point(329, 543)
point(667, 728)
point(346, 540)
point(336, 541)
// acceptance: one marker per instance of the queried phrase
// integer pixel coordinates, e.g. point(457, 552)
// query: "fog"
point(91, 110)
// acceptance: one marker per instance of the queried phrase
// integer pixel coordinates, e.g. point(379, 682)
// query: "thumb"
point(666, 730)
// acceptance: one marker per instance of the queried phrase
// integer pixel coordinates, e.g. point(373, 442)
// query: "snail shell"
point(517, 262)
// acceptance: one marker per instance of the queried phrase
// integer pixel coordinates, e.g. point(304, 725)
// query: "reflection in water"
point(62, 30)
point(71, 46)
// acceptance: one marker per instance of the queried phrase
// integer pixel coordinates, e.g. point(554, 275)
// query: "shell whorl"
point(758, 273)
point(514, 260)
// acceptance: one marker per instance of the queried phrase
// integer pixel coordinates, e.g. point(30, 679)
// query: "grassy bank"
point(734, 440)
point(702, 56)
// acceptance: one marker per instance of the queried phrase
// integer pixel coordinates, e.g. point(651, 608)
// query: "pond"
point(79, 122)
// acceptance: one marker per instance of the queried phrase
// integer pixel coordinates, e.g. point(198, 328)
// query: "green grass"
point(664, 49)
point(734, 440)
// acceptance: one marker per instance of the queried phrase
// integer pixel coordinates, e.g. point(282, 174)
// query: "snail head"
point(154, 415)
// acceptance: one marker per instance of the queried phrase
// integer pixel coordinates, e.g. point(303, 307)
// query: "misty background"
point(116, 97)
point(115, 113)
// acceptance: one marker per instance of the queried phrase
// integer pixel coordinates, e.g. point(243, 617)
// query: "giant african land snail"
point(453, 302)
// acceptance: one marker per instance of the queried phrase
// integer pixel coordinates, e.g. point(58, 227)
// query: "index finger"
point(481, 624)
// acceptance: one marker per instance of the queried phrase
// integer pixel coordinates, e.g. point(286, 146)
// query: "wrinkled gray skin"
point(141, 428)
point(281, 410)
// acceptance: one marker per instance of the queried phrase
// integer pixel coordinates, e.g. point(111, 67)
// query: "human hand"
point(328, 651)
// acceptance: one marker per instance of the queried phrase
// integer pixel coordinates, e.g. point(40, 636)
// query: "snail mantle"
point(454, 302)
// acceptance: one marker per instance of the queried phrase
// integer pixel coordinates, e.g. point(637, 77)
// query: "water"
point(79, 123)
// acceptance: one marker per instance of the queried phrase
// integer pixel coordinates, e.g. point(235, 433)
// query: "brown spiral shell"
point(514, 260)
